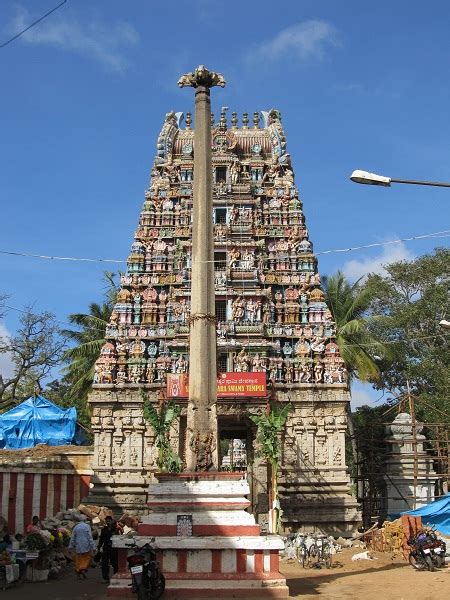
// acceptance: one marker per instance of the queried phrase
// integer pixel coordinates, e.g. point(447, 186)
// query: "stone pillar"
point(201, 450)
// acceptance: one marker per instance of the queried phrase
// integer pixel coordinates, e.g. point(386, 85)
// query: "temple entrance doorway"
point(236, 453)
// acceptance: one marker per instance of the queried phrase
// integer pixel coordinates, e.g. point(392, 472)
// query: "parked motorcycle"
point(427, 551)
point(147, 580)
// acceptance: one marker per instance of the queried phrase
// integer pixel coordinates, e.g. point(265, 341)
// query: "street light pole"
point(367, 178)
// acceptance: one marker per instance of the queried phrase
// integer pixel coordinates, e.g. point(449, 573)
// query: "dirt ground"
point(385, 578)
point(382, 579)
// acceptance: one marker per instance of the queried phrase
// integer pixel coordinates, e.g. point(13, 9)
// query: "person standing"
point(82, 544)
point(109, 554)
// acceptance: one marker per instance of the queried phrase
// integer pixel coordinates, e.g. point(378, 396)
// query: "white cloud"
point(102, 44)
point(354, 269)
point(6, 365)
point(207, 11)
point(350, 87)
point(309, 39)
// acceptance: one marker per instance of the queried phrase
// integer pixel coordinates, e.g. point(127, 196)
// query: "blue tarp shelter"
point(436, 514)
point(37, 421)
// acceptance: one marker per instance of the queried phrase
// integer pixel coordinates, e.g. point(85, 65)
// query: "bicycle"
point(320, 552)
point(302, 554)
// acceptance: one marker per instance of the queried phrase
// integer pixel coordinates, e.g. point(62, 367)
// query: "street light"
point(366, 178)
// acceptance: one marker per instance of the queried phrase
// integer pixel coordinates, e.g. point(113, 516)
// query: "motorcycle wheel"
point(141, 592)
point(438, 561)
point(417, 562)
point(158, 588)
point(429, 562)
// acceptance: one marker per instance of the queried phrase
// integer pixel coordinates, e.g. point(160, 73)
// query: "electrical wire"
point(70, 258)
point(32, 24)
point(435, 235)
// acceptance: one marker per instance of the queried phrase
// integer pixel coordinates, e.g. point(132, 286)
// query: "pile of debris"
point(390, 537)
point(96, 514)
point(50, 540)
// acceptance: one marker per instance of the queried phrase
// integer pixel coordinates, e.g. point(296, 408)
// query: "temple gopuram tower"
point(271, 319)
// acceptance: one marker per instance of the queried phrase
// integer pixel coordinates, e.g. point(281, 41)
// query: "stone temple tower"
point(271, 318)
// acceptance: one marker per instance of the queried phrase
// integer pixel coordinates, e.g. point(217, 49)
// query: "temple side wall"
point(314, 484)
point(124, 454)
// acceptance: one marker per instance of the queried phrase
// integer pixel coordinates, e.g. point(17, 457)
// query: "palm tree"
point(88, 340)
point(349, 304)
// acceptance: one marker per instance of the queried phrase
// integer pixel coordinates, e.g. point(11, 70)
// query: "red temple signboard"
point(229, 385)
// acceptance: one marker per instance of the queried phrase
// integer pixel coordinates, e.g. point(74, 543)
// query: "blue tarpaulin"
point(436, 514)
point(37, 421)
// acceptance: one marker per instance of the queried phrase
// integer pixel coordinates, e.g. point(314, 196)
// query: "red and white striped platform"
point(225, 555)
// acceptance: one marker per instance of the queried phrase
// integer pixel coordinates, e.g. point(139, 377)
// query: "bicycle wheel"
point(326, 555)
point(302, 555)
point(313, 555)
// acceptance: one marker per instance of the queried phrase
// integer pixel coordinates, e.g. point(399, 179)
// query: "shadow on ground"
point(314, 579)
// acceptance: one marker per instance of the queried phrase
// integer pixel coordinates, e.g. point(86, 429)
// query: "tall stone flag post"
point(201, 450)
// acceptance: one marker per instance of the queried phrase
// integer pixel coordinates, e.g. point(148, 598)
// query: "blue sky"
point(84, 94)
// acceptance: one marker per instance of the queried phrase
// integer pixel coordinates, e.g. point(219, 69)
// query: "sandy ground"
point(384, 579)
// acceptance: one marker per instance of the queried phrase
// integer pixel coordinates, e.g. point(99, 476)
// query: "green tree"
point(162, 421)
point(349, 304)
point(88, 340)
point(270, 425)
point(35, 349)
point(409, 302)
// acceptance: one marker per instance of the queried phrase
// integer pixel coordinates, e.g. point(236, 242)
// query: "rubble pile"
point(388, 538)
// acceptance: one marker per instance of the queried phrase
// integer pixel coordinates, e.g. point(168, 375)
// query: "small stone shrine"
point(271, 317)
point(409, 475)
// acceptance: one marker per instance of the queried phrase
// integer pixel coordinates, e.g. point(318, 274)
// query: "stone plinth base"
point(331, 516)
point(224, 556)
point(316, 506)
point(197, 567)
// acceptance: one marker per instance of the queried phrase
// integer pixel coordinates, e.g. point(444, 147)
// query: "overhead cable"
point(32, 24)
point(435, 235)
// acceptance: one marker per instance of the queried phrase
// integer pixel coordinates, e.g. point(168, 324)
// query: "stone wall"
point(124, 454)
point(314, 484)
